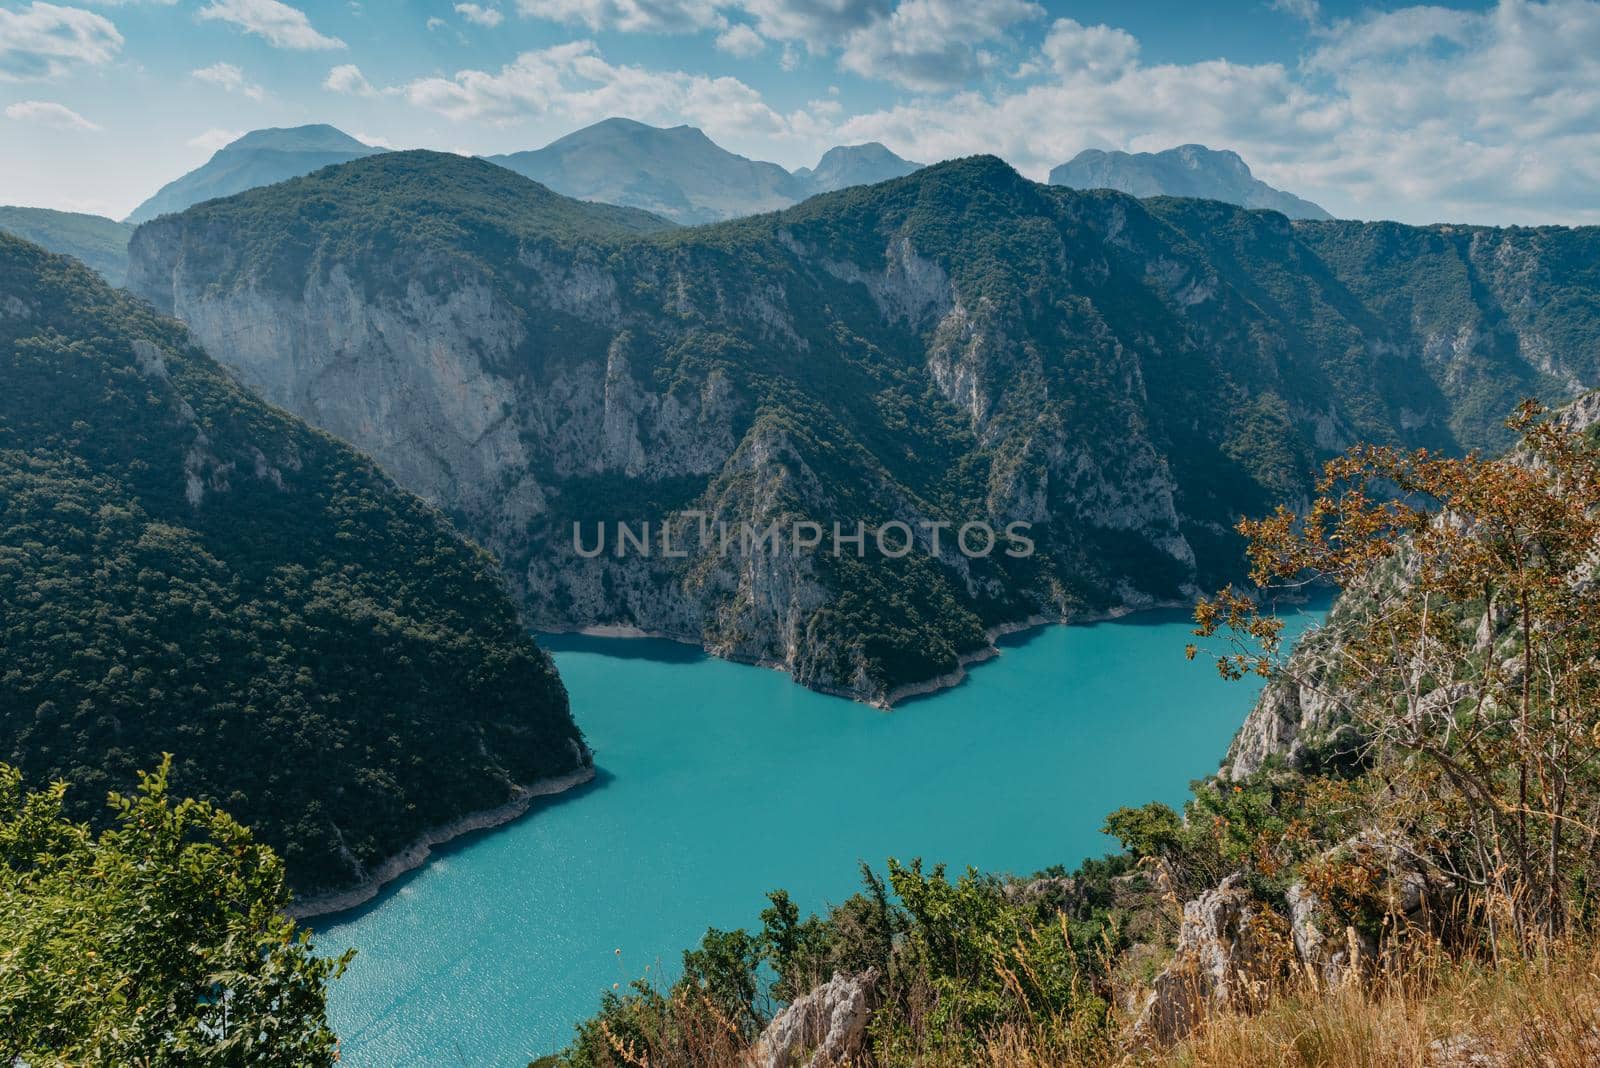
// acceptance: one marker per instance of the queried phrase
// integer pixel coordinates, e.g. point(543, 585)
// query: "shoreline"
point(884, 702)
point(417, 853)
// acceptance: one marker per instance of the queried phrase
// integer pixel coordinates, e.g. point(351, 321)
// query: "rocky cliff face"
point(957, 346)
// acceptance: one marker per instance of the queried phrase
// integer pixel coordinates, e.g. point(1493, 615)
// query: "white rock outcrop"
point(826, 1026)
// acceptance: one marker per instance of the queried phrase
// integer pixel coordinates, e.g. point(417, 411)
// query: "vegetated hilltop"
point(185, 569)
point(954, 346)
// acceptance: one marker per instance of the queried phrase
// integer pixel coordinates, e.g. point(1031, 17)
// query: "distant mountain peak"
point(1185, 171)
point(681, 173)
point(677, 172)
point(260, 157)
point(316, 137)
point(847, 165)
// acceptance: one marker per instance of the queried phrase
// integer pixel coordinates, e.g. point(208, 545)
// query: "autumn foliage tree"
point(1470, 658)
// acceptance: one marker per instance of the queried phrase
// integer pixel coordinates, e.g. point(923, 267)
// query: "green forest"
point(184, 569)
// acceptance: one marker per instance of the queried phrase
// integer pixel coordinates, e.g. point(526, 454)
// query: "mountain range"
point(682, 175)
point(677, 173)
point(185, 569)
point(957, 345)
point(1185, 171)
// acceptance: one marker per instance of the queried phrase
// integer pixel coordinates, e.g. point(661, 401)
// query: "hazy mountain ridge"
point(259, 158)
point(99, 242)
point(846, 165)
point(184, 569)
point(958, 344)
point(682, 174)
point(1185, 171)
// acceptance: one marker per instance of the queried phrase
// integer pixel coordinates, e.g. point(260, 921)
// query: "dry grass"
point(1441, 1013)
point(1434, 1010)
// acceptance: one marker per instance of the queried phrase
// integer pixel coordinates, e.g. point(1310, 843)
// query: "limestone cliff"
point(957, 346)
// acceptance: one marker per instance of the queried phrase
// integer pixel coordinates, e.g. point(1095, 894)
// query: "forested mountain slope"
point(957, 345)
point(99, 242)
point(185, 569)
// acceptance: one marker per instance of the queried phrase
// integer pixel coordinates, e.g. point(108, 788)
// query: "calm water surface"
point(720, 782)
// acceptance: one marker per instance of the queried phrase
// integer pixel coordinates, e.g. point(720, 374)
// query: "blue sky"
point(1483, 112)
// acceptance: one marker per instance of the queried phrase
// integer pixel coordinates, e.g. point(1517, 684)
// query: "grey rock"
point(1415, 892)
point(824, 1027)
point(1222, 961)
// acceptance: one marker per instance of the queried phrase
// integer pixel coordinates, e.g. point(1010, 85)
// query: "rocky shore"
point(418, 852)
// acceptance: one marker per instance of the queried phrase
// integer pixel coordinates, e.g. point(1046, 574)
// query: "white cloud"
point(1390, 35)
point(1100, 52)
point(228, 77)
point(374, 140)
point(1308, 10)
point(818, 24)
point(919, 44)
point(1420, 113)
point(740, 41)
point(931, 44)
point(46, 40)
point(482, 16)
point(650, 16)
point(347, 78)
point(214, 138)
point(46, 113)
point(574, 83)
point(281, 25)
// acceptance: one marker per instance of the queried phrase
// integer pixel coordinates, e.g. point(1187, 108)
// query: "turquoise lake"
point(721, 781)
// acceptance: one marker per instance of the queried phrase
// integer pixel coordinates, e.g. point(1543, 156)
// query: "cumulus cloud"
point(740, 41)
point(1391, 35)
point(228, 77)
point(46, 113)
point(347, 78)
point(480, 15)
point(919, 44)
point(930, 44)
point(818, 24)
point(1098, 52)
point(1309, 10)
point(279, 24)
point(45, 40)
point(1419, 113)
point(649, 16)
point(575, 83)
